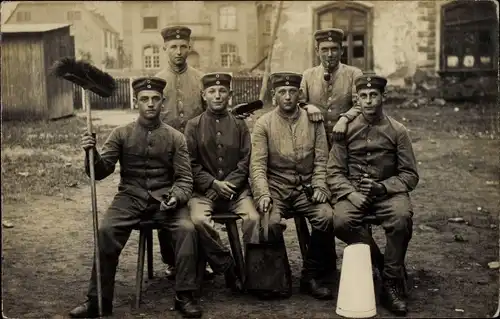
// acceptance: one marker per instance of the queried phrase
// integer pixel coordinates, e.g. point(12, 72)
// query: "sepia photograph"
point(250, 159)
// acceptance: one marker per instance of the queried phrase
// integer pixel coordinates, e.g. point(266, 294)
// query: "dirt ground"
point(47, 224)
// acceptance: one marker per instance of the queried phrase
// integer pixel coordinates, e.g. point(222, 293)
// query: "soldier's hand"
point(87, 141)
point(242, 116)
point(313, 113)
point(359, 200)
point(211, 194)
point(369, 187)
point(171, 203)
point(318, 197)
point(339, 129)
point(224, 189)
point(265, 204)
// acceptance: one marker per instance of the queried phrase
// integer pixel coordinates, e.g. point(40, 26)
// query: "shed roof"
point(31, 27)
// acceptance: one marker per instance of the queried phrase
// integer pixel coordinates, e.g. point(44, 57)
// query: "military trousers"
point(124, 213)
point(395, 214)
point(201, 209)
point(319, 260)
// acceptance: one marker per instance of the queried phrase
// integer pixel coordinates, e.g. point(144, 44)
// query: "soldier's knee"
point(402, 220)
point(186, 226)
point(251, 216)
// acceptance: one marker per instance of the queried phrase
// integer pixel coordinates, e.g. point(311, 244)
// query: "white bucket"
point(356, 295)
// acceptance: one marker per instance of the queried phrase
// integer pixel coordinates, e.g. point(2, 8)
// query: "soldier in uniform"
point(288, 163)
point(184, 102)
point(333, 95)
point(220, 147)
point(372, 171)
point(156, 183)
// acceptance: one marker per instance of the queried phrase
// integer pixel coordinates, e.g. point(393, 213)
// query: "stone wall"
point(403, 36)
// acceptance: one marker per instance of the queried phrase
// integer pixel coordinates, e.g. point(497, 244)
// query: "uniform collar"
point(177, 69)
point(290, 118)
point(148, 125)
point(211, 114)
point(375, 121)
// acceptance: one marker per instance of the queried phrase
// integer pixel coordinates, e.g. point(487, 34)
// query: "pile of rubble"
point(419, 90)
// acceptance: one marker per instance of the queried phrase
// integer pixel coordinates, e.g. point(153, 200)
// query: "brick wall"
point(426, 35)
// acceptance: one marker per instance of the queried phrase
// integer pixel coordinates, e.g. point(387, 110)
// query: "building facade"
point(94, 38)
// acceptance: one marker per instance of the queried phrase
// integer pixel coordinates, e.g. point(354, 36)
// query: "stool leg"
point(234, 241)
point(303, 235)
point(140, 268)
point(149, 247)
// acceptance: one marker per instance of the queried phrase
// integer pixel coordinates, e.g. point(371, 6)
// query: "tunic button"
point(329, 122)
point(220, 159)
point(221, 171)
point(330, 87)
point(181, 114)
point(369, 140)
point(368, 154)
point(330, 98)
point(149, 132)
point(329, 110)
point(218, 133)
point(217, 120)
point(219, 146)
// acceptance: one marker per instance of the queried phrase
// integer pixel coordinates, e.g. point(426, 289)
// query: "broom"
point(91, 79)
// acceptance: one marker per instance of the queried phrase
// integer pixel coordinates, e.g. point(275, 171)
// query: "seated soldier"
point(372, 172)
point(220, 146)
point(156, 183)
point(288, 162)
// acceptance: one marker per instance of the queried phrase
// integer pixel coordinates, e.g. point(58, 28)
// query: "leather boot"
point(90, 309)
point(313, 288)
point(187, 305)
point(232, 279)
point(392, 298)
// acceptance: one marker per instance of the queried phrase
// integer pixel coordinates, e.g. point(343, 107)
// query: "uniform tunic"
point(287, 152)
point(382, 150)
point(154, 162)
point(183, 96)
point(333, 98)
point(220, 147)
point(183, 102)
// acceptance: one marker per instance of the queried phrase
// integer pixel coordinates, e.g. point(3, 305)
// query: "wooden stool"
point(368, 222)
point(302, 234)
point(145, 244)
point(229, 220)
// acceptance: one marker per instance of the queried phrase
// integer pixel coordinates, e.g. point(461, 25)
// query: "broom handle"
point(94, 206)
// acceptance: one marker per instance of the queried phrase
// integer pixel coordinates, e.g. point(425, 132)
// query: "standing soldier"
point(330, 87)
point(184, 103)
point(156, 184)
point(219, 146)
point(373, 171)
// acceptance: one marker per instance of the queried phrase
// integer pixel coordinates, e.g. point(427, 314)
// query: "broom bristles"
point(85, 75)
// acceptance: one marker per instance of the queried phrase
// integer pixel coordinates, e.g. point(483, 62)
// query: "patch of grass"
point(39, 174)
point(44, 134)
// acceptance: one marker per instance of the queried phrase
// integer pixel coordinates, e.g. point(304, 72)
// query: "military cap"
point(371, 81)
point(216, 78)
point(176, 32)
point(332, 34)
point(285, 79)
point(148, 83)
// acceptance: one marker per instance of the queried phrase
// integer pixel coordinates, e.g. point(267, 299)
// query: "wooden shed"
point(29, 91)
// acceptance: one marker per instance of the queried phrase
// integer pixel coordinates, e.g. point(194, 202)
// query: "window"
point(228, 55)
point(150, 23)
point(23, 16)
point(267, 25)
point(227, 18)
point(73, 15)
point(469, 40)
point(354, 22)
point(151, 57)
